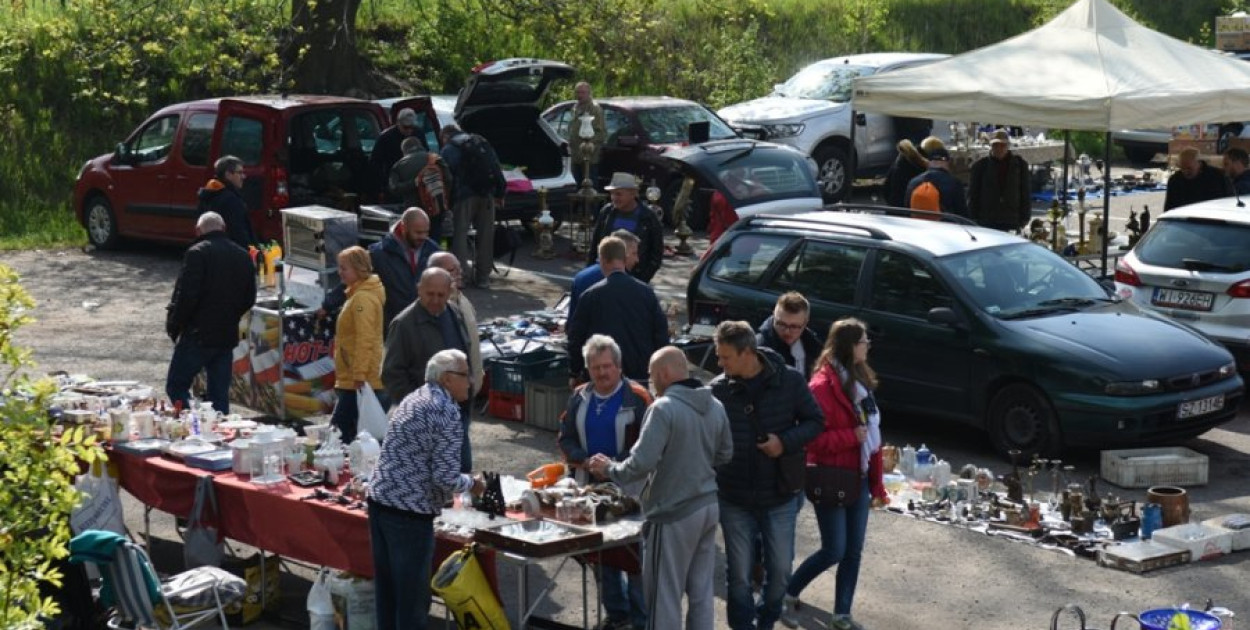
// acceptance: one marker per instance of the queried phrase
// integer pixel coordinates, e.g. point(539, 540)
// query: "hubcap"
point(832, 176)
point(98, 224)
point(1021, 425)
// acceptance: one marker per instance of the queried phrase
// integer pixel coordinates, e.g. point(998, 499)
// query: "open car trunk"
point(328, 155)
point(518, 137)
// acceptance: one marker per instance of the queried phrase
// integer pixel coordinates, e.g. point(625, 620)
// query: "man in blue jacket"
point(772, 416)
point(953, 197)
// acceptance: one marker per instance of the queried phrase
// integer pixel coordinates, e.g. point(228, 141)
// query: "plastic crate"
point(506, 406)
point(1145, 467)
point(545, 401)
point(509, 375)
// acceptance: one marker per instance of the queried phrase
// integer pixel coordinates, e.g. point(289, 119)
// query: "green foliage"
point(37, 470)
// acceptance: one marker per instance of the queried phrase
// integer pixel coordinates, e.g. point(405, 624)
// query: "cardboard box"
point(1202, 542)
point(1240, 537)
point(1231, 24)
point(1228, 41)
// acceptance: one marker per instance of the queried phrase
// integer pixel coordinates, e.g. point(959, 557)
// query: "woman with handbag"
point(357, 340)
point(844, 467)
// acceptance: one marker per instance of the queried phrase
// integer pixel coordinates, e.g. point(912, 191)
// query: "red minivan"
point(296, 150)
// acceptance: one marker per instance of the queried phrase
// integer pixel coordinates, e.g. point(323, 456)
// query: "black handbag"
point(829, 486)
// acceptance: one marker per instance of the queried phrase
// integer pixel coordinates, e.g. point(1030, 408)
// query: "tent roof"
point(1090, 68)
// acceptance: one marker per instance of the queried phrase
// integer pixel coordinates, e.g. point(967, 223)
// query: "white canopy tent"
point(1091, 68)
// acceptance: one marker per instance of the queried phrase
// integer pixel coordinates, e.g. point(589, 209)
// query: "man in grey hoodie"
point(685, 435)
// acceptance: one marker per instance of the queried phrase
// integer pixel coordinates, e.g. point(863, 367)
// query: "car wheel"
point(1021, 419)
point(101, 224)
point(833, 171)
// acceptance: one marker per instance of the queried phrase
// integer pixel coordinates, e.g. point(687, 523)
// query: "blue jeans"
point(347, 412)
point(622, 604)
point(403, 548)
point(189, 358)
point(740, 526)
point(842, 532)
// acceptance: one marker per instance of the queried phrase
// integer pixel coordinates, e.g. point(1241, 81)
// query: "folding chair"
point(190, 598)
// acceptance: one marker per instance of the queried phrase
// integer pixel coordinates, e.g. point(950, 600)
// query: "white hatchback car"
point(1194, 266)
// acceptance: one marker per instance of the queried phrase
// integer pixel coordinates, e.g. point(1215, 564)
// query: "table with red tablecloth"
point(273, 518)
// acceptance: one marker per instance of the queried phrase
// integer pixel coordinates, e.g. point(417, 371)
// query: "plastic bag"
point(372, 416)
point(201, 546)
point(321, 604)
point(463, 587)
point(101, 507)
point(355, 599)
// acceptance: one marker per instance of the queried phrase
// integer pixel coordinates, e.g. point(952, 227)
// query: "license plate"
point(1189, 300)
point(1199, 407)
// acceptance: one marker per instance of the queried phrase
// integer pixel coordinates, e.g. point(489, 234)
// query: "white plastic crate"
point(1145, 467)
point(1240, 537)
point(544, 402)
point(1202, 542)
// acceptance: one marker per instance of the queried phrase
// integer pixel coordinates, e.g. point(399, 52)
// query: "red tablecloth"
point(273, 517)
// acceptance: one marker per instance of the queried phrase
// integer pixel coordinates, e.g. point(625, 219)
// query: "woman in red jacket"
point(843, 385)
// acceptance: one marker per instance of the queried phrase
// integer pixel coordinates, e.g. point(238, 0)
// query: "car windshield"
point(671, 125)
point(1196, 246)
point(828, 81)
point(1021, 280)
point(751, 176)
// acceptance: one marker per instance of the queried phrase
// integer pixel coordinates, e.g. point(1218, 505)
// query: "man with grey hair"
point(684, 438)
point(428, 325)
point(602, 419)
point(224, 195)
point(772, 416)
point(389, 148)
point(448, 262)
point(587, 277)
point(621, 307)
point(215, 287)
point(416, 475)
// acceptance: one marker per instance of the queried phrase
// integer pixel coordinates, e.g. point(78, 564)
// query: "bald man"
point(584, 106)
point(428, 325)
point(1195, 181)
point(685, 435)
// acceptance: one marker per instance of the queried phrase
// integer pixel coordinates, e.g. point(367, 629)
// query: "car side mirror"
point(945, 316)
point(122, 154)
point(861, 119)
point(627, 141)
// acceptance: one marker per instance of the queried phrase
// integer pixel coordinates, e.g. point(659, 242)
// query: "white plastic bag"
point(321, 604)
point(372, 417)
point(101, 507)
point(356, 599)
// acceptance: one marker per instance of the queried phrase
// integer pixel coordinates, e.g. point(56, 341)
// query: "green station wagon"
point(978, 326)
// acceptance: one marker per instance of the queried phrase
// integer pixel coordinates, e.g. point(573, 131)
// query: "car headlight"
point(784, 130)
point(1134, 388)
point(1227, 370)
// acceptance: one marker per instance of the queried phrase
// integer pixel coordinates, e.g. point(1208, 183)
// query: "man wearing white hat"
point(626, 212)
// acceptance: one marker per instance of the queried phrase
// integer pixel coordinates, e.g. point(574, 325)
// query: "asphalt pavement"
point(101, 313)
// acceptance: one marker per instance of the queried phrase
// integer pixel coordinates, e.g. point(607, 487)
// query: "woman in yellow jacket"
point(357, 339)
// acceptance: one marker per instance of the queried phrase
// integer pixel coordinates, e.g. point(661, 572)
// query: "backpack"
point(926, 196)
point(431, 188)
point(477, 166)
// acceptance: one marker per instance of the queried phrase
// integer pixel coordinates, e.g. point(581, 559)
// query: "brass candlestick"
point(681, 206)
point(543, 227)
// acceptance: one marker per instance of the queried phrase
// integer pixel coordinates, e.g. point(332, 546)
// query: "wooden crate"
point(1142, 556)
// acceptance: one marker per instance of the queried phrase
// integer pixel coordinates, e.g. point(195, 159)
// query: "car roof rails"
point(905, 213)
point(816, 224)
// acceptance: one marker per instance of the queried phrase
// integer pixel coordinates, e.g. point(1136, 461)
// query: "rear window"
point(196, 138)
point(243, 138)
point(1197, 245)
point(766, 174)
point(748, 257)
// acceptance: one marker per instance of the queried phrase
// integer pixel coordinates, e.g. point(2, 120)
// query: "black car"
point(979, 326)
point(640, 129)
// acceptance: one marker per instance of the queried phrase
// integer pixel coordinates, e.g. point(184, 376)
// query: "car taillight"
point(1124, 274)
point(281, 193)
point(1240, 289)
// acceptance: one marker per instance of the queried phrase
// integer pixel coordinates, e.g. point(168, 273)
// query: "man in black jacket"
point(953, 198)
point(1195, 181)
point(621, 307)
point(224, 195)
point(216, 286)
point(772, 416)
point(626, 212)
point(787, 334)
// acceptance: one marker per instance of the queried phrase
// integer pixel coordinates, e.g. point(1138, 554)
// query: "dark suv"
point(296, 150)
point(978, 326)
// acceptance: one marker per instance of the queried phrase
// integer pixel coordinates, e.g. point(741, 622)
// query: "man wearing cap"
point(950, 190)
point(626, 212)
point(388, 149)
point(998, 193)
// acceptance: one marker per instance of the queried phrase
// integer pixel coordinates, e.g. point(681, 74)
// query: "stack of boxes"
point(1232, 32)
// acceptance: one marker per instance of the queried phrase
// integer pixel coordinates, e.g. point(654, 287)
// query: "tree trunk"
point(322, 50)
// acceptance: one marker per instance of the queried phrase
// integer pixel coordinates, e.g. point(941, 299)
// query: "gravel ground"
point(101, 313)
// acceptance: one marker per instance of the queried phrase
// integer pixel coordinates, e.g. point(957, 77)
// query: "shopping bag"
point(248, 610)
point(372, 416)
point(463, 587)
point(201, 545)
point(101, 507)
point(321, 604)
point(355, 599)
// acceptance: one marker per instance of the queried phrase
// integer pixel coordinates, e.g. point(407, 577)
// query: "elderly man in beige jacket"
point(448, 262)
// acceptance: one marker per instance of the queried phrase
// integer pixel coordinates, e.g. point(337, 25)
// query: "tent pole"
point(1067, 149)
point(854, 162)
point(1106, 199)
